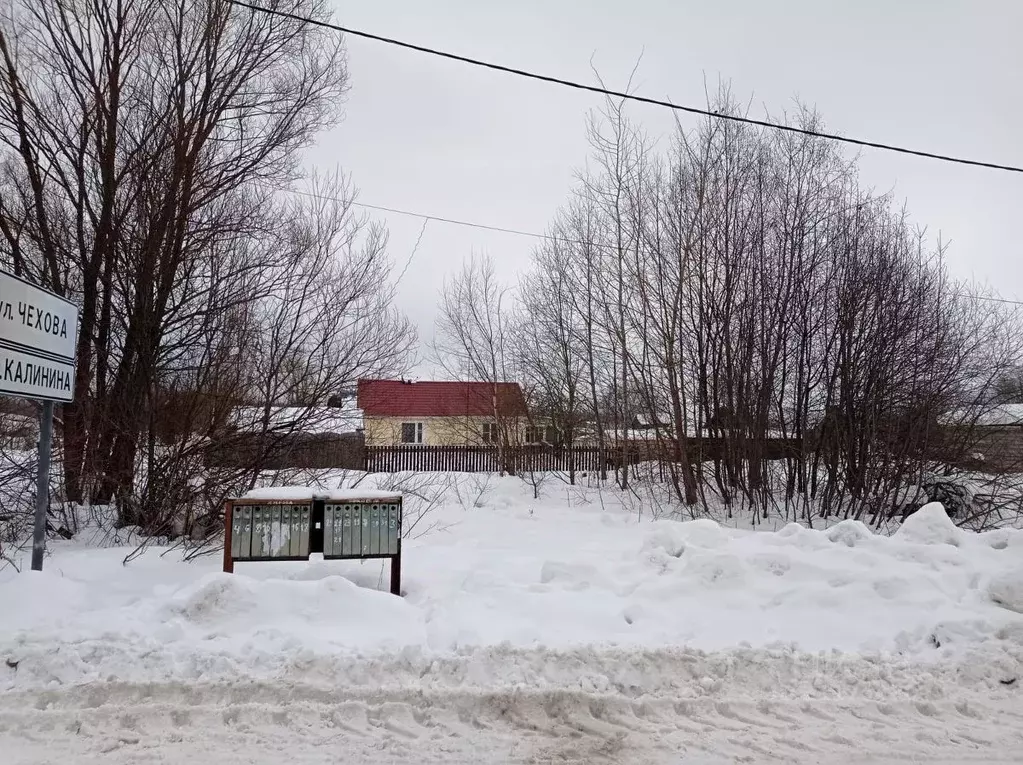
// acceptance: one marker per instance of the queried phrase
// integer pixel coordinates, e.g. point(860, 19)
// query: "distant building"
point(993, 437)
point(304, 420)
point(1002, 416)
point(438, 413)
point(656, 420)
point(279, 437)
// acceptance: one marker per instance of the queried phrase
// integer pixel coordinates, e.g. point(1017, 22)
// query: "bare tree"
point(319, 316)
point(147, 149)
point(615, 189)
point(134, 135)
point(782, 326)
point(473, 338)
point(547, 347)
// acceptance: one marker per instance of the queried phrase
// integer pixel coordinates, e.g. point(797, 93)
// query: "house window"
point(540, 434)
point(412, 432)
point(490, 432)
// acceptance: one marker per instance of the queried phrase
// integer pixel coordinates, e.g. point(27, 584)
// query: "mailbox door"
point(256, 544)
point(329, 529)
point(338, 530)
point(351, 530)
point(382, 546)
point(270, 516)
point(245, 546)
point(304, 531)
point(364, 531)
point(343, 518)
point(392, 529)
point(287, 528)
point(372, 546)
point(241, 532)
point(295, 531)
point(356, 546)
point(268, 531)
point(260, 532)
point(276, 531)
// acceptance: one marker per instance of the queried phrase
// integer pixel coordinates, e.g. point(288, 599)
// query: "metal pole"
point(42, 485)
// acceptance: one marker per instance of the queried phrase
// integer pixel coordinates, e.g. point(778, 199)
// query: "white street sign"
point(37, 320)
point(22, 374)
point(38, 338)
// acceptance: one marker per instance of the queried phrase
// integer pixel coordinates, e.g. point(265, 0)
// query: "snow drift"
point(519, 574)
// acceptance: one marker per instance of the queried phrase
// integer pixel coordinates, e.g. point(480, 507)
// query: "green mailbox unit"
point(270, 530)
point(289, 524)
point(361, 529)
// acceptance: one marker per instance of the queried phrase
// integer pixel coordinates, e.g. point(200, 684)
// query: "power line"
point(623, 95)
point(425, 217)
point(438, 218)
point(993, 299)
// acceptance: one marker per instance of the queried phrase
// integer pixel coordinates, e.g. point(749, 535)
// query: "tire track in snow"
point(263, 723)
point(671, 672)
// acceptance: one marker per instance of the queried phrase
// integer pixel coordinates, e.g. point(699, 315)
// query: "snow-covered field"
point(563, 629)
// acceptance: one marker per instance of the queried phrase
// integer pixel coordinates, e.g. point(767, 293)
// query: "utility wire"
point(623, 95)
point(439, 219)
point(517, 232)
point(993, 299)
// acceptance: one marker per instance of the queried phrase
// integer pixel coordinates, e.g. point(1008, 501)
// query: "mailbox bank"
point(294, 522)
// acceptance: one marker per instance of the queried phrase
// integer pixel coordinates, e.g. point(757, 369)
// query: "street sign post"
point(38, 339)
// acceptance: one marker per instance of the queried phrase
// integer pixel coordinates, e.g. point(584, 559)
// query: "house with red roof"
point(439, 413)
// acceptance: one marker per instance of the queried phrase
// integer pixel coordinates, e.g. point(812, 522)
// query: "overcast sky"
point(442, 138)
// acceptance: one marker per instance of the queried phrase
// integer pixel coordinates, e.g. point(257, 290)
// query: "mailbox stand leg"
point(228, 528)
point(396, 574)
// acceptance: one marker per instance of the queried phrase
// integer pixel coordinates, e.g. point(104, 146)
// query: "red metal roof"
point(397, 398)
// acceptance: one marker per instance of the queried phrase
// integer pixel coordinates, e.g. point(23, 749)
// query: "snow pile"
point(280, 494)
point(1007, 590)
point(299, 493)
point(527, 580)
point(930, 525)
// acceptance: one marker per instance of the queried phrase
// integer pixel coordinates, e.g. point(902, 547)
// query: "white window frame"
point(490, 433)
point(419, 434)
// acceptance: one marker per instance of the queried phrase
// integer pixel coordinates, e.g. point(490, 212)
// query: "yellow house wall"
point(437, 431)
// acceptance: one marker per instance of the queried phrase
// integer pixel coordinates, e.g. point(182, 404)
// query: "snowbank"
point(568, 574)
point(297, 493)
point(279, 494)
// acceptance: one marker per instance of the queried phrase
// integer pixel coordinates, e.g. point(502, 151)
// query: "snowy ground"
point(556, 630)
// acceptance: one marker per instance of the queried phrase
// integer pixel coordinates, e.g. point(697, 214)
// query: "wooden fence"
point(351, 453)
point(479, 459)
point(700, 449)
point(291, 451)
